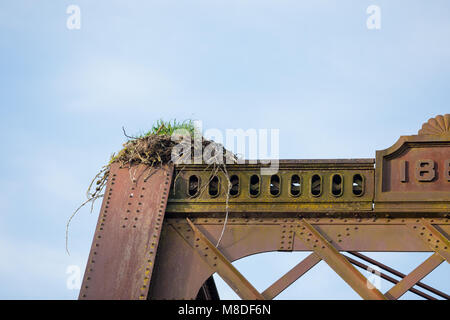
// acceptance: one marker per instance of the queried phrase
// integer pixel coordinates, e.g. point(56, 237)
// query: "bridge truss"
point(162, 233)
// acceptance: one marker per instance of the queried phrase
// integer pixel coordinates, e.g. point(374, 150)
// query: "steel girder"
point(157, 236)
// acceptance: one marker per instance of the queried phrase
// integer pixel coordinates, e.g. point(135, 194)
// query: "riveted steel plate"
point(292, 192)
point(126, 239)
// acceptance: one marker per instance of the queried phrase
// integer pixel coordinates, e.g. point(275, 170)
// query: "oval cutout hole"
point(336, 185)
point(213, 188)
point(234, 191)
point(316, 185)
point(275, 185)
point(254, 185)
point(295, 185)
point(193, 185)
point(357, 185)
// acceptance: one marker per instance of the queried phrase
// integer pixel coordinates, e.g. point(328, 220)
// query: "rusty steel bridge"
point(157, 233)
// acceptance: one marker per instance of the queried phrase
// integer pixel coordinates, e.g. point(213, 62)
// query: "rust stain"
point(120, 262)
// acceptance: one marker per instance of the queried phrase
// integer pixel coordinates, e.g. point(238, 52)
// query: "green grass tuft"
point(169, 127)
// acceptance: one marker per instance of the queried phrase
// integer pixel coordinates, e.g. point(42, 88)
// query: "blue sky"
point(309, 68)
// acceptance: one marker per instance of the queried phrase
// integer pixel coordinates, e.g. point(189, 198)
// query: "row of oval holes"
point(295, 185)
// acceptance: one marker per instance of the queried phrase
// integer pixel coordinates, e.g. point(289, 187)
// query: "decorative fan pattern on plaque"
point(438, 126)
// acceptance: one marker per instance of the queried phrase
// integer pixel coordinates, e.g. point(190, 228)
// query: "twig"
point(125, 134)
point(162, 126)
point(73, 215)
point(226, 205)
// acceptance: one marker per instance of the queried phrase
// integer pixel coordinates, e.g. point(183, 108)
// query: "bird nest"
point(154, 150)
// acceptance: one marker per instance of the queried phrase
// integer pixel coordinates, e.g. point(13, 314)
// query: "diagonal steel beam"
point(442, 244)
point(326, 251)
point(399, 274)
point(390, 279)
point(291, 276)
point(416, 275)
point(223, 267)
point(432, 237)
point(126, 240)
